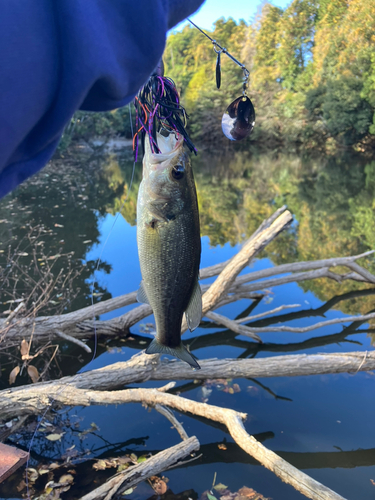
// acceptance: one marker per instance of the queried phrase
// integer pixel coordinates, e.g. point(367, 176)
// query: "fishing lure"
point(239, 118)
point(158, 110)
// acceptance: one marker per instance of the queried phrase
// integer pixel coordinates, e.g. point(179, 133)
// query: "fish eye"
point(178, 172)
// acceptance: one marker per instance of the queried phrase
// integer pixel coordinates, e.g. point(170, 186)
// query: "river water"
point(55, 227)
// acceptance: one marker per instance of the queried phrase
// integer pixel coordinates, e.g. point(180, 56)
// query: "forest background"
point(312, 78)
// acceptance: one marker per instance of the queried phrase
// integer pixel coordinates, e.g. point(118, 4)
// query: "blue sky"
point(212, 10)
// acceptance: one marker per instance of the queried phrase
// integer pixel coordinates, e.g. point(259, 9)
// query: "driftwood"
point(71, 322)
point(266, 233)
point(227, 288)
point(34, 399)
point(236, 327)
point(154, 465)
point(233, 420)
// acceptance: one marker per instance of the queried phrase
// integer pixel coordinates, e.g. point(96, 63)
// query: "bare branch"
point(232, 325)
point(294, 267)
point(73, 340)
point(309, 328)
point(173, 420)
point(267, 313)
point(135, 475)
point(266, 233)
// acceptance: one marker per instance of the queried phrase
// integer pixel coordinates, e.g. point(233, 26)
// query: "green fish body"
point(169, 245)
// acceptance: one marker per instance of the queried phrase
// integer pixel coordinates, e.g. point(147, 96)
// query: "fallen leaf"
point(100, 465)
point(33, 373)
point(220, 487)
point(221, 446)
point(66, 479)
point(24, 348)
point(248, 492)
point(122, 467)
point(128, 492)
point(55, 437)
point(13, 375)
point(372, 482)
point(160, 487)
point(21, 485)
point(32, 474)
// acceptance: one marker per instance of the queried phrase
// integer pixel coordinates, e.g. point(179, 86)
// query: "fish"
point(169, 244)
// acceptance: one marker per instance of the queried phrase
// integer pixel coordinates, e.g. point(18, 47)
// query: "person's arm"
point(60, 56)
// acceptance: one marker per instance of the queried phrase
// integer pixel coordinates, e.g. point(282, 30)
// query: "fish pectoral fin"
point(142, 295)
point(179, 352)
point(157, 210)
point(162, 211)
point(194, 309)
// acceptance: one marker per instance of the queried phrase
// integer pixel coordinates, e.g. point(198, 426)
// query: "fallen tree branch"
point(219, 319)
point(267, 313)
point(307, 265)
point(152, 466)
point(35, 398)
point(173, 420)
point(302, 329)
point(47, 327)
point(233, 420)
point(73, 340)
point(264, 235)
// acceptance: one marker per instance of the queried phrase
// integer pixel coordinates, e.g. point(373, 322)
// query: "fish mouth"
point(169, 147)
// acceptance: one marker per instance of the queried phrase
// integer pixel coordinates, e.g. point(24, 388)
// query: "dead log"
point(35, 398)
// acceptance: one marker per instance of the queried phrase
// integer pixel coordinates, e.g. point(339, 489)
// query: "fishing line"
point(94, 322)
point(239, 118)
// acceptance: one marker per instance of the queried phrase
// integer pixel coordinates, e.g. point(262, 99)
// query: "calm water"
point(321, 424)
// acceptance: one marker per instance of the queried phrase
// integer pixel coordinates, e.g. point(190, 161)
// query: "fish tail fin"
point(179, 352)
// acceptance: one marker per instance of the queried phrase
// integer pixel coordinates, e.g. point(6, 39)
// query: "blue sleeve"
point(62, 55)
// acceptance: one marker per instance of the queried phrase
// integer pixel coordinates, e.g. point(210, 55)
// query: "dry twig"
point(135, 475)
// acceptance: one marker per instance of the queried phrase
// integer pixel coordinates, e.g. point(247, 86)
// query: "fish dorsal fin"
point(194, 309)
point(142, 295)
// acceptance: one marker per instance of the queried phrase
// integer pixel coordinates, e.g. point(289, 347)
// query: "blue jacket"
point(57, 56)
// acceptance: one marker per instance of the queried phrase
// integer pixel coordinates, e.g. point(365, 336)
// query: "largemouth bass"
point(169, 245)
